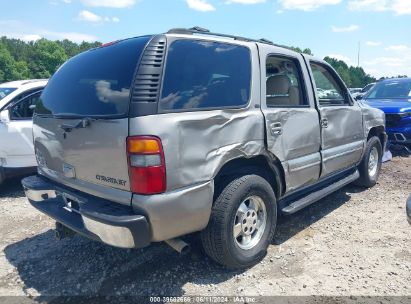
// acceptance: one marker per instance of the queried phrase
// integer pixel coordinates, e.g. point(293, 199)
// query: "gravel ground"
point(355, 242)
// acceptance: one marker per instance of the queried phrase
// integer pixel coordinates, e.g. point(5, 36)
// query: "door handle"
point(276, 128)
point(324, 123)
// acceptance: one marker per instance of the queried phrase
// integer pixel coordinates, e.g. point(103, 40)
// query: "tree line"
point(40, 59)
point(33, 60)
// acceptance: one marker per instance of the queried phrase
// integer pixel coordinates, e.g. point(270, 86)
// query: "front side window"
point(23, 110)
point(203, 74)
point(284, 85)
point(329, 91)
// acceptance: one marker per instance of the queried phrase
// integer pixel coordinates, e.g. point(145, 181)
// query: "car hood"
point(390, 105)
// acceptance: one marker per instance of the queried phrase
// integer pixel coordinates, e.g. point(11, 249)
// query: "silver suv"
point(152, 138)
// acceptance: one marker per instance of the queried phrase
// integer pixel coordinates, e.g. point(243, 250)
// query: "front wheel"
point(370, 165)
point(242, 223)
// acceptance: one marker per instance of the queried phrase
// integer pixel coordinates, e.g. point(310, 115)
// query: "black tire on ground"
point(217, 238)
point(367, 180)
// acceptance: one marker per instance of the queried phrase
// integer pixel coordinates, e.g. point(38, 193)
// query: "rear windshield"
point(391, 90)
point(94, 83)
point(5, 91)
point(202, 74)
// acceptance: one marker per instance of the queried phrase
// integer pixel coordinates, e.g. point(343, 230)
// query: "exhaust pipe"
point(62, 232)
point(179, 245)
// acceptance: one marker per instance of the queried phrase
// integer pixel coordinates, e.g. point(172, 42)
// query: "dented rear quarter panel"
point(197, 144)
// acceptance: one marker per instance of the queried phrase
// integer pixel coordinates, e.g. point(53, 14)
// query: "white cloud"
point(389, 66)
point(200, 5)
point(306, 5)
point(73, 36)
point(350, 28)
point(109, 3)
point(245, 1)
point(398, 48)
point(31, 37)
point(341, 57)
point(89, 16)
point(21, 30)
point(387, 61)
point(54, 2)
point(373, 43)
point(399, 7)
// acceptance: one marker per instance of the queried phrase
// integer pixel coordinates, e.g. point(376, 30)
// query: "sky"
point(337, 28)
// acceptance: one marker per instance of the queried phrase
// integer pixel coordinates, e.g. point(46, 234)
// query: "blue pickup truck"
point(393, 96)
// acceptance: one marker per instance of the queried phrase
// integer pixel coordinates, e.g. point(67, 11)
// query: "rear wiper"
point(82, 124)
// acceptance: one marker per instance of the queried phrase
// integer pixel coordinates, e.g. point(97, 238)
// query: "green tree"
point(9, 68)
point(352, 76)
point(47, 58)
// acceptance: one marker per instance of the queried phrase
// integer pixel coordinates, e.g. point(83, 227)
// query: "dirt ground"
point(355, 242)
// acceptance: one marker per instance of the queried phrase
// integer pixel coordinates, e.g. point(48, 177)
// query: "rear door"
point(81, 122)
point(292, 121)
point(342, 135)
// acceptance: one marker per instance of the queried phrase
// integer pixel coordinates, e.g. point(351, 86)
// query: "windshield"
point(396, 89)
point(95, 83)
point(5, 91)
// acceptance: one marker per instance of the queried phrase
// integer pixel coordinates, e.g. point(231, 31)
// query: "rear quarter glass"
point(94, 83)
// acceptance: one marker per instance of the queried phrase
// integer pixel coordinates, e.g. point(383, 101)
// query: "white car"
point(16, 139)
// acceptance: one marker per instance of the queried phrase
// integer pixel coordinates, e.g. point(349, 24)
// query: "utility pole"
point(359, 50)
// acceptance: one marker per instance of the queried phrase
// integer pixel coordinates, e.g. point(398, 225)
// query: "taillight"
point(147, 168)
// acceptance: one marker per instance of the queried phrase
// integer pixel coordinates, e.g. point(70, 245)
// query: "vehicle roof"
point(207, 35)
point(407, 79)
point(21, 86)
point(20, 83)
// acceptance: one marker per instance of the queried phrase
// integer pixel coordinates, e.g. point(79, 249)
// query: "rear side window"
point(283, 83)
point(94, 83)
point(202, 74)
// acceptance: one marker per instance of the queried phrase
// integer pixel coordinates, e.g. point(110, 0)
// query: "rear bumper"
point(97, 219)
point(409, 210)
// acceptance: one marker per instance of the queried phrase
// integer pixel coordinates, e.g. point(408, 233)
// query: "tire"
point(2, 175)
point(368, 177)
point(218, 238)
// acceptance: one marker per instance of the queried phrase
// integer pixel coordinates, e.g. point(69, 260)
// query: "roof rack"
point(203, 31)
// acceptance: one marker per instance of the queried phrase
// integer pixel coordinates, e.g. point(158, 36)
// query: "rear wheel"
point(370, 165)
point(242, 223)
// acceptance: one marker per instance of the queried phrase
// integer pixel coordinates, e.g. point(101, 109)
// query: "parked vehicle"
point(409, 210)
point(393, 96)
point(139, 150)
point(367, 88)
point(16, 139)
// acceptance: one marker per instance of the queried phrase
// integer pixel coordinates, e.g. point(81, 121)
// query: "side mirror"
point(5, 116)
point(358, 97)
